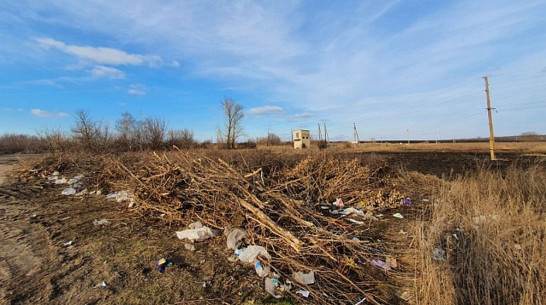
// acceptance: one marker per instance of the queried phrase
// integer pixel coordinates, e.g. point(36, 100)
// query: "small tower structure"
point(302, 138)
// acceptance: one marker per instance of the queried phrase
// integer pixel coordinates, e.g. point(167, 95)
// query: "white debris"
point(197, 232)
point(304, 278)
point(101, 222)
point(304, 293)
point(235, 237)
point(398, 215)
point(68, 191)
point(250, 253)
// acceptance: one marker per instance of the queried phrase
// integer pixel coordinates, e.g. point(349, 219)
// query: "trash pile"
point(306, 222)
point(303, 226)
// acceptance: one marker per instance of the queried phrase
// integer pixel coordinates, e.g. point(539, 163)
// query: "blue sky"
point(388, 66)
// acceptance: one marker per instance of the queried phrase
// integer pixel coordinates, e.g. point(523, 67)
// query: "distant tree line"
point(131, 134)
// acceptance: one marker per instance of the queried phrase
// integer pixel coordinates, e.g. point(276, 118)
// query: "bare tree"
point(153, 131)
point(232, 128)
point(86, 130)
point(54, 139)
point(181, 138)
point(128, 131)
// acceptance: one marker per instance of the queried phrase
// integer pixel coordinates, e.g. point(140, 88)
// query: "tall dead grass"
point(491, 226)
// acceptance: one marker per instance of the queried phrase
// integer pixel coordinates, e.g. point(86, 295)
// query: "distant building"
point(302, 139)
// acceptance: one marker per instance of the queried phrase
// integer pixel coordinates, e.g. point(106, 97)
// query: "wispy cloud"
point(137, 89)
point(107, 72)
point(101, 55)
point(265, 110)
point(304, 115)
point(47, 114)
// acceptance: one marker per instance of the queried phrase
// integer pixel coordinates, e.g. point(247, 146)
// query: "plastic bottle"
point(260, 270)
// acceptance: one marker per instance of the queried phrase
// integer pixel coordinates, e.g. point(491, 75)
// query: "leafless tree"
point(128, 131)
point(86, 130)
point(54, 139)
point(232, 128)
point(153, 131)
point(181, 138)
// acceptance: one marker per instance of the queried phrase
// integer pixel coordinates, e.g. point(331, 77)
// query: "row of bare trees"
point(129, 134)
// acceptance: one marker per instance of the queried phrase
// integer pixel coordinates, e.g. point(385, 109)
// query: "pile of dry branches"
point(282, 210)
point(282, 207)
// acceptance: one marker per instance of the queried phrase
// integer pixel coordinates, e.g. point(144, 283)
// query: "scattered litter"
point(425, 200)
point(355, 221)
point(60, 181)
point(398, 215)
point(360, 301)
point(403, 232)
point(55, 173)
point(304, 278)
point(391, 261)
point(349, 211)
point(455, 236)
point(68, 244)
point(355, 239)
point(161, 265)
point(261, 270)
point(65, 218)
point(197, 232)
point(271, 285)
point(406, 201)
point(304, 293)
point(250, 253)
point(103, 284)
point(69, 191)
point(111, 195)
point(98, 192)
point(235, 237)
point(189, 246)
point(162, 215)
point(338, 204)
point(438, 254)
point(381, 264)
point(323, 207)
point(101, 222)
point(405, 296)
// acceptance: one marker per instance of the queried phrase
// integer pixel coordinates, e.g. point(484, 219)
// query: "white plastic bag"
point(235, 237)
point(250, 253)
point(197, 232)
point(304, 278)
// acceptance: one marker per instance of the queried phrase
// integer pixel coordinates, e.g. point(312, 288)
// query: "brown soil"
point(36, 267)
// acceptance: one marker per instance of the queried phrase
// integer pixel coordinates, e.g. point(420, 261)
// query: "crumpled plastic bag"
point(250, 253)
point(68, 191)
point(197, 232)
point(235, 237)
point(304, 278)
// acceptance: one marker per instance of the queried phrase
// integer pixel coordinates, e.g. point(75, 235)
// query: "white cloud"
point(102, 55)
point(303, 115)
point(137, 89)
point(265, 110)
point(122, 104)
point(107, 72)
point(175, 64)
point(47, 114)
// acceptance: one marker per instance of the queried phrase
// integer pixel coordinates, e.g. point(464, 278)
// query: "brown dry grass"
point(492, 227)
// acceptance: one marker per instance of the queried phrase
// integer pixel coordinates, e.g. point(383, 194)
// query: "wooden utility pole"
point(490, 115)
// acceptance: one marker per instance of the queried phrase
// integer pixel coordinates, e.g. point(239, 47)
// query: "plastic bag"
point(304, 278)
point(197, 232)
point(250, 253)
point(69, 191)
point(235, 237)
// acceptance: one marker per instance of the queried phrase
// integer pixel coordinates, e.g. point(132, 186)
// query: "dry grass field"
point(473, 231)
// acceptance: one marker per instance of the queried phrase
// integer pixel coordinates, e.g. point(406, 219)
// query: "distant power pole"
point(491, 133)
point(319, 133)
point(326, 134)
point(355, 134)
